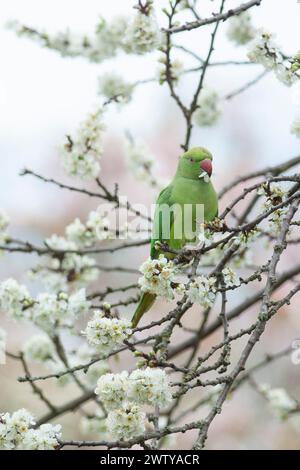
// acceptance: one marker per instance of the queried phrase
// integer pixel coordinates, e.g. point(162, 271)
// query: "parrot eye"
point(192, 160)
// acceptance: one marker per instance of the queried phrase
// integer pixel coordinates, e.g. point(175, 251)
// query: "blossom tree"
point(147, 404)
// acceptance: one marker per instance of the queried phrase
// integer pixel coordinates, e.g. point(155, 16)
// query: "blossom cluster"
point(4, 222)
point(142, 34)
point(97, 48)
point(106, 333)
point(295, 127)
point(95, 228)
point(140, 162)
point(81, 153)
point(137, 35)
point(274, 194)
point(48, 311)
point(158, 277)
point(14, 298)
point(65, 267)
point(52, 311)
point(123, 395)
point(126, 422)
point(202, 290)
point(279, 400)
point(114, 88)
point(215, 233)
point(59, 272)
point(175, 70)
point(230, 277)
point(148, 386)
point(208, 111)
point(240, 29)
point(265, 51)
point(17, 433)
point(39, 349)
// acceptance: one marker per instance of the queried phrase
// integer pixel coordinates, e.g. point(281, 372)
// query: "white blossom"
point(98, 225)
point(81, 154)
point(113, 87)
point(274, 195)
point(142, 34)
point(16, 433)
point(202, 290)
point(126, 422)
point(183, 4)
point(244, 242)
point(264, 50)
point(13, 428)
point(44, 438)
point(77, 233)
point(240, 29)
point(230, 277)
point(78, 303)
point(102, 45)
point(58, 310)
point(112, 389)
point(4, 222)
point(49, 311)
point(140, 161)
point(107, 39)
point(205, 236)
point(175, 70)
point(73, 269)
point(39, 348)
point(209, 111)
point(286, 75)
point(246, 239)
point(279, 400)
point(106, 333)
point(96, 228)
point(80, 269)
point(14, 298)
point(55, 242)
point(158, 277)
point(149, 386)
point(275, 221)
point(295, 127)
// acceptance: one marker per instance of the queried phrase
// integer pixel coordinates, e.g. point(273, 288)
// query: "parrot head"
point(195, 163)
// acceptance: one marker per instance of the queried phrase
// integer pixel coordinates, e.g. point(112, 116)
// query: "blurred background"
point(44, 96)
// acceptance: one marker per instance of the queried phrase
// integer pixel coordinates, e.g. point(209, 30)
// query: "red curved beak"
point(206, 166)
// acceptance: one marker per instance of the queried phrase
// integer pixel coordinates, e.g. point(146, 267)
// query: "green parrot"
point(189, 190)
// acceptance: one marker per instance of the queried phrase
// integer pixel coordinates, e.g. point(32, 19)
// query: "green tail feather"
point(146, 302)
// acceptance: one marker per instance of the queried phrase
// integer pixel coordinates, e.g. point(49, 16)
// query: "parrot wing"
point(164, 198)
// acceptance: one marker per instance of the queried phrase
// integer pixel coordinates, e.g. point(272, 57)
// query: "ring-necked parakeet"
point(190, 188)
